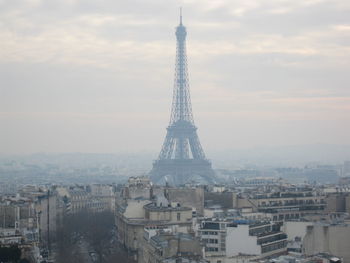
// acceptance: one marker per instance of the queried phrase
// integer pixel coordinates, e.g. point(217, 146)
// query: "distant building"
point(223, 199)
point(257, 181)
point(336, 202)
point(346, 169)
point(95, 198)
point(347, 204)
point(285, 204)
point(8, 188)
point(345, 180)
point(321, 174)
point(137, 187)
point(104, 194)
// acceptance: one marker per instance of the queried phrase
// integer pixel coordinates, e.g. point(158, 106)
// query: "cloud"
point(78, 38)
point(342, 28)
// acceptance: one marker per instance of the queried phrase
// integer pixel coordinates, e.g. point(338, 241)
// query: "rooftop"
point(211, 225)
point(161, 240)
point(154, 207)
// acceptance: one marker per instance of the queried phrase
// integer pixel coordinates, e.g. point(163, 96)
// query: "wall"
point(135, 208)
point(189, 197)
point(334, 239)
point(347, 204)
point(335, 203)
point(295, 229)
point(171, 215)
point(225, 200)
point(239, 241)
point(48, 218)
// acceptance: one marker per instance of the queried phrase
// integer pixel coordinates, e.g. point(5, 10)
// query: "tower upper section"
point(181, 106)
point(181, 31)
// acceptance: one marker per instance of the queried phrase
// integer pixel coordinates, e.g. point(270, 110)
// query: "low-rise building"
point(10, 236)
point(104, 195)
point(330, 238)
point(232, 239)
point(187, 196)
point(137, 187)
point(285, 204)
point(136, 214)
point(167, 247)
point(95, 198)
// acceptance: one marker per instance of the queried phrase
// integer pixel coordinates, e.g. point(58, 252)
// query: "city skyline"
point(84, 77)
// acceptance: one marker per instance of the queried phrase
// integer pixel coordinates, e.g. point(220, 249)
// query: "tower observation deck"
point(181, 158)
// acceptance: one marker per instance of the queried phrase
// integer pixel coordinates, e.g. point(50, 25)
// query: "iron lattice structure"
point(181, 158)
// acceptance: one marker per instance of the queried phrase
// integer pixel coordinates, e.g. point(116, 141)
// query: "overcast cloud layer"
point(97, 76)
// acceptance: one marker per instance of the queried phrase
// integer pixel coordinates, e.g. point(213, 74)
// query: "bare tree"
point(95, 228)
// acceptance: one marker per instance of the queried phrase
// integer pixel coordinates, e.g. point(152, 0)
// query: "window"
point(211, 249)
point(178, 216)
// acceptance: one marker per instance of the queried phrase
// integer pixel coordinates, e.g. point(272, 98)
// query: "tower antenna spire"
point(180, 15)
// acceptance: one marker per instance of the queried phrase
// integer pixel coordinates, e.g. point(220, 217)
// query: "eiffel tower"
point(181, 158)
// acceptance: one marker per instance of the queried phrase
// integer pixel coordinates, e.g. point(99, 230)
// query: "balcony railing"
point(272, 238)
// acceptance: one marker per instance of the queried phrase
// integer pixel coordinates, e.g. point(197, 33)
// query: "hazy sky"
point(97, 76)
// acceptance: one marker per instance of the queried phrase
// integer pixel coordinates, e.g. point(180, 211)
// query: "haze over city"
point(87, 76)
point(182, 131)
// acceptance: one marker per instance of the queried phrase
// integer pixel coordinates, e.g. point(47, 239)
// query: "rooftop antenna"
point(180, 15)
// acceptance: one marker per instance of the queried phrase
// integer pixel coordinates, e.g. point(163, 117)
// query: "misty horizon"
point(288, 156)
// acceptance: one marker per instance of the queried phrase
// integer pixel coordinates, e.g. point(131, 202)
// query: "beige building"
point(163, 247)
point(104, 194)
point(137, 187)
point(76, 198)
point(135, 215)
point(189, 197)
point(329, 238)
point(347, 204)
point(168, 247)
point(47, 211)
point(96, 199)
point(43, 214)
point(29, 220)
point(284, 205)
point(172, 213)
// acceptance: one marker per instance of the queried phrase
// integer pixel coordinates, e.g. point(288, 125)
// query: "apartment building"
point(166, 247)
point(136, 214)
point(331, 238)
point(225, 240)
point(287, 203)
